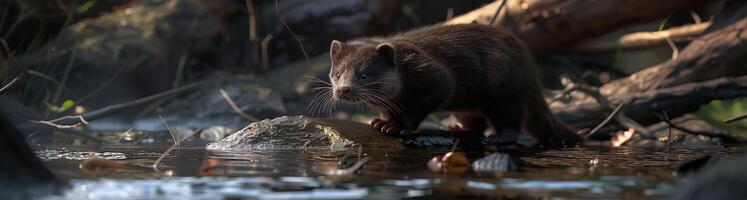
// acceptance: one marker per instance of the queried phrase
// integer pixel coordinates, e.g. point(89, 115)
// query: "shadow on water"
point(194, 173)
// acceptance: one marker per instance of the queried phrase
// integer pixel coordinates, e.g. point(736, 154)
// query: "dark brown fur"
point(474, 71)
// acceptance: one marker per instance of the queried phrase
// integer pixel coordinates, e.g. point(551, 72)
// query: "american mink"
point(476, 72)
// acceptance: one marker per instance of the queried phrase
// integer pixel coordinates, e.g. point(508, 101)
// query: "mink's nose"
point(343, 90)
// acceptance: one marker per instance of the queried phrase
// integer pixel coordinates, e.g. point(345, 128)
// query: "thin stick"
point(675, 50)
point(102, 112)
point(620, 118)
point(669, 136)
point(65, 76)
point(497, 11)
point(109, 81)
point(449, 14)
point(173, 137)
point(236, 108)
point(280, 17)
point(454, 146)
point(736, 118)
point(54, 122)
point(726, 137)
point(49, 78)
point(265, 53)
point(96, 114)
point(173, 147)
point(607, 120)
point(252, 29)
point(2, 90)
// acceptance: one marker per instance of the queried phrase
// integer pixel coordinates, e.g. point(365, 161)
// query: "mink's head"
point(364, 71)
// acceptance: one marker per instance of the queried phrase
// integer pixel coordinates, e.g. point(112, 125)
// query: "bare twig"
point(53, 122)
point(736, 118)
point(280, 17)
point(696, 17)
point(7, 86)
point(102, 112)
point(65, 76)
point(675, 50)
point(173, 137)
point(454, 146)
point(497, 11)
point(236, 108)
point(642, 40)
point(49, 78)
point(620, 117)
point(669, 132)
point(607, 120)
point(725, 136)
point(252, 28)
point(449, 14)
point(109, 81)
point(265, 52)
point(72, 132)
point(96, 114)
point(177, 141)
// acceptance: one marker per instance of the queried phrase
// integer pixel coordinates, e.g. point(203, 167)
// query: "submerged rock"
point(304, 133)
point(495, 163)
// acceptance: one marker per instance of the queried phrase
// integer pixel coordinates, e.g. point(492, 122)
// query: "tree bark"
point(566, 22)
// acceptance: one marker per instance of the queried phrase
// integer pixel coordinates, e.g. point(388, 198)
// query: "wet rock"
point(303, 133)
point(495, 163)
point(725, 180)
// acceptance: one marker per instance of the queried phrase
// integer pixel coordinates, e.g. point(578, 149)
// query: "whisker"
point(315, 79)
point(315, 102)
point(314, 89)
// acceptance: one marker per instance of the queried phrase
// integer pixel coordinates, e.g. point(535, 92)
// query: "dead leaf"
point(621, 137)
point(98, 165)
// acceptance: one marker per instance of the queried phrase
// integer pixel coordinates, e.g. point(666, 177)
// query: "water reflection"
point(193, 173)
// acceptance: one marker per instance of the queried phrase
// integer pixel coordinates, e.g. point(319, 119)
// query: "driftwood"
point(641, 40)
point(719, 53)
point(711, 67)
point(645, 106)
point(567, 22)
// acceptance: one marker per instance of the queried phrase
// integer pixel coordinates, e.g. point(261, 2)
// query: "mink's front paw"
point(386, 126)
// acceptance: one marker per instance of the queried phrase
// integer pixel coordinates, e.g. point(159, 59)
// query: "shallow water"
point(586, 173)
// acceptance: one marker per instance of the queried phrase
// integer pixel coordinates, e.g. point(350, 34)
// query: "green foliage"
point(67, 104)
point(718, 111)
point(86, 6)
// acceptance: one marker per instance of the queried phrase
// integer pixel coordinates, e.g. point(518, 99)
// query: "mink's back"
point(477, 56)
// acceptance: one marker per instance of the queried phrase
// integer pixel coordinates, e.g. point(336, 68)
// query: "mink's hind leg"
point(506, 117)
point(465, 121)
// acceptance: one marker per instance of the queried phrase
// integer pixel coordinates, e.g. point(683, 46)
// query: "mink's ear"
point(388, 51)
point(335, 47)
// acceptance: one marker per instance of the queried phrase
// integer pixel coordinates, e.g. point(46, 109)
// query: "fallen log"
point(567, 22)
point(645, 106)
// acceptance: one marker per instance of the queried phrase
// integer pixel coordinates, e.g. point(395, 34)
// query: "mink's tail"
point(545, 127)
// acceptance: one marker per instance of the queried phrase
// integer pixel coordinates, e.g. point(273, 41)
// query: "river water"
point(191, 172)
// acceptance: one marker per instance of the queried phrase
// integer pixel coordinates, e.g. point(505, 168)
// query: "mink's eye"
point(338, 74)
point(364, 76)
